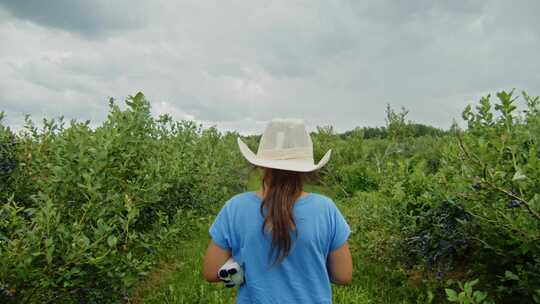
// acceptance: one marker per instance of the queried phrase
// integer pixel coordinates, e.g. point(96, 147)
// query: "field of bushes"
point(120, 212)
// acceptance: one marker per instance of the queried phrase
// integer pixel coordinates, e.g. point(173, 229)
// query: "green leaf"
point(536, 297)
point(50, 254)
point(535, 202)
point(468, 288)
point(511, 276)
point(84, 241)
point(111, 240)
point(451, 295)
point(430, 296)
point(519, 176)
point(479, 296)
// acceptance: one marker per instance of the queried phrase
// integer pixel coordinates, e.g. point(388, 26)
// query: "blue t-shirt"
point(302, 277)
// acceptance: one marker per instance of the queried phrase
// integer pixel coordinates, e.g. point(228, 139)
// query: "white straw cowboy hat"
point(285, 145)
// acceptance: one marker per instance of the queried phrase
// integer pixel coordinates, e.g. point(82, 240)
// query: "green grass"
point(178, 278)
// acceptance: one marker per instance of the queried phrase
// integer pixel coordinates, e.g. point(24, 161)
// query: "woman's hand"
point(231, 273)
point(213, 260)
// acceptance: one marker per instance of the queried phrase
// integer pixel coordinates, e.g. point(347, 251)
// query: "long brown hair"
point(281, 189)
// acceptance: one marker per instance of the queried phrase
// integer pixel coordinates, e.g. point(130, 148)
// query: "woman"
point(290, 244)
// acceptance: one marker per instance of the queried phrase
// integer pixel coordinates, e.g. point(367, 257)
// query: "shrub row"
point(83, 209)
point(460, 204)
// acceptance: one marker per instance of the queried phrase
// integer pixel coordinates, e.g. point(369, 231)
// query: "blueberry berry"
point(513, 204)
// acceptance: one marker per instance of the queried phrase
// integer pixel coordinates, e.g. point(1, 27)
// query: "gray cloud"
point(240, 63)
point(90, 18)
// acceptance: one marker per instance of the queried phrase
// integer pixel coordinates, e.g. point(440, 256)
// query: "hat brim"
point(283, 164)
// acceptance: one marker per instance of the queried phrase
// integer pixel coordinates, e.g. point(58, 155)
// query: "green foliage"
point(442, 236)
point(85, 213)
point(466, 295)
point(86, 208)
point(454, 200)
point(8, 162)
point(357, 177)
point(499, 175)
point(396, 123)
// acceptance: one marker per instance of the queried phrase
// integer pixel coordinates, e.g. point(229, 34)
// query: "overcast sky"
point(237, 64)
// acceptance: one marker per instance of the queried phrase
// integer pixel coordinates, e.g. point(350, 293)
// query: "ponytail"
point(281, 189)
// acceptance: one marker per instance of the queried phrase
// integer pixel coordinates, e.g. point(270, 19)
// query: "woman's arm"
point(340, 265)
point(213, 260)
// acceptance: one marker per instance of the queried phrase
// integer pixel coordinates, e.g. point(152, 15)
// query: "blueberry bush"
point(84, 209)
point(445, 206)
point(438, 216)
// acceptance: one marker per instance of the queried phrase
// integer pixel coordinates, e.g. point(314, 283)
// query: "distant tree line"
point(413, 129)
